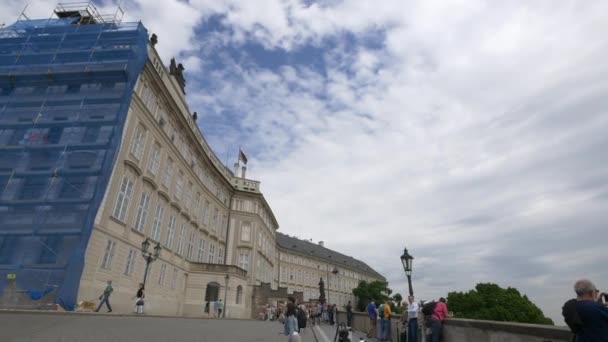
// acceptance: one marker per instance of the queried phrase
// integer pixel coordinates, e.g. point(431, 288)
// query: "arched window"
point(239, 294)
point(212, 292)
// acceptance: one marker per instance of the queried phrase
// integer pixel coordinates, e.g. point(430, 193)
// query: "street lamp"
point(334, 271)
point(226, 278)
point(150, 257)
point(406, 260)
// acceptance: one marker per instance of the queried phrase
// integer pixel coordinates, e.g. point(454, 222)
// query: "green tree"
point(366, 291)
point(397, 298)
point(491, 302)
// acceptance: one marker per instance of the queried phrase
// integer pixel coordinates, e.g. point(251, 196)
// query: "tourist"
point(386, 321)
point(105, 297)
point(291, 324)
point(139, 299)
point(349, 314)
point(590, 317)
point(371, 313)
point(439, 315)
point(220, 309)
point(412, 319)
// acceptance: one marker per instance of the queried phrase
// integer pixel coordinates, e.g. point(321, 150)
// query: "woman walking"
point(139, 299)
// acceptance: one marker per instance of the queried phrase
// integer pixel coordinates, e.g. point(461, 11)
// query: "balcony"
point(217, 268)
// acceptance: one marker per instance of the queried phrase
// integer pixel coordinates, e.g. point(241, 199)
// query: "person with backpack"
point(291, 324)
point(585, 316)
point(301, 317)
point(438, 312)
point(380, 322)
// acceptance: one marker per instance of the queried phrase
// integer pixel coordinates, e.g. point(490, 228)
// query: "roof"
point(314, 250)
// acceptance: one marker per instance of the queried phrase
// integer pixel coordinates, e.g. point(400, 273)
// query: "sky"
point(474, 133)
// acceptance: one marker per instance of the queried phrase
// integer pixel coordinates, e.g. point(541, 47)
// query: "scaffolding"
point(65, 89)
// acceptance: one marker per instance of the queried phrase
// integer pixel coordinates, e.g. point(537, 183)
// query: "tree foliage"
point(366, 291)
point(398, 299)
point(491, 302)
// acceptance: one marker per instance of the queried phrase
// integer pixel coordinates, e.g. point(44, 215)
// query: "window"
point(155, 159)
point(206, 213)
point(246, 231)
point(73, 188)
point(130, 262)
point(161, 276)
point(244, 261)
point(170, 231)
point(168, 173)
point(123, 199)
point(180, 239)
point(142, 211)
point(188, 200)
point(211, 253)
point(139, 140)
point(214, 221)
point(239, 294)
point(158, 220)
point(108, 255)
point(190, 246)
point(201, 250)
point(179, 186)
point(174, 278)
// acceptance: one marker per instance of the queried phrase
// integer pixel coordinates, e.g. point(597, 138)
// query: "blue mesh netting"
point(64, 95)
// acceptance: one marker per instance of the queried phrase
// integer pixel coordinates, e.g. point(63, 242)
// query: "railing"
point(465, 330)
point(217, 268)
point(246, 184)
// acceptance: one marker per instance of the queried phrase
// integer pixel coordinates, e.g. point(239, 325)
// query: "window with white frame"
point(244, 261)
point(154, 163)
point(220, 255)
point(139, 141)
point(214, 219)
point(201, 250)
point(170, 231)
point(108, 255)
point(190, 249)
point(211, 253)
point(123, 198)
point(130, 262)
point(246, 231)
point(180, 239)
point(179, 185)
point(158, 220)
point(142, 211)
point(174, 278)
point(168, 173)
point(161, 276)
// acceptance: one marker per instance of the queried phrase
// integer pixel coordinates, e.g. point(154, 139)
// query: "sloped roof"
point(311, 249)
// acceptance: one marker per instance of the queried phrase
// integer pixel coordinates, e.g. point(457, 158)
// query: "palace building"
point(101, 156)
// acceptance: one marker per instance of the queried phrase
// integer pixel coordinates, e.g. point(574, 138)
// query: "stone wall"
point(465, 330)
point(264, 294)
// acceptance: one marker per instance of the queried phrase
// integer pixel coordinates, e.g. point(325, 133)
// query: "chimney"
point(321, 243)
point(243, 171)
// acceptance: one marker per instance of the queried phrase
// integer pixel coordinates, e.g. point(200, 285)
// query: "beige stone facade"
point(169, 187)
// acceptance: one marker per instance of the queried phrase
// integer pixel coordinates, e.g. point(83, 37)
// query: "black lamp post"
point(226, 278)
point(150, 257)
point(406, 260)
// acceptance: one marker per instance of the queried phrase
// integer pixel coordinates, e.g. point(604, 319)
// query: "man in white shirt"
point(412, 319)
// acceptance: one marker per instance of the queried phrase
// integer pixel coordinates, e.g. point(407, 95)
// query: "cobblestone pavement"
point(51, 327)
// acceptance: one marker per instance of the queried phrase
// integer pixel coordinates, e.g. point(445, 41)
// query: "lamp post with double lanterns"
point(150, 257)
point(226, 279)
point(406, 260)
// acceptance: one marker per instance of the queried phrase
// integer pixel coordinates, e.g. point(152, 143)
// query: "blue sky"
point(474, 132)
